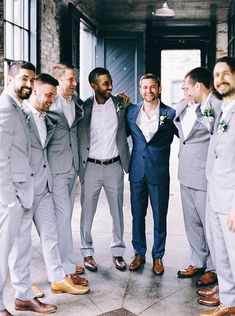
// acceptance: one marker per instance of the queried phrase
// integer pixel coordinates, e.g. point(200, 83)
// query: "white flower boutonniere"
point(120, 106)
point(162, 119)
point(209, 113)
point(223, 126)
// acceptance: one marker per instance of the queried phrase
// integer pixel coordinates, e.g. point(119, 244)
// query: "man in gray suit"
point(195, 125)
point(16, 182)
point(63, 159)
point(42, 212)
point(104, 153)
point(220, 173)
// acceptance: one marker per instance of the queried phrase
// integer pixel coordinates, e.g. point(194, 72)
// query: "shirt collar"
point(225, 109)
point(66, 100)
point(35, 111)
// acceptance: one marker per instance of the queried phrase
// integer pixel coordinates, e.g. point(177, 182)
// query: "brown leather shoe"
point(38, 292)
point(189, 272)
point(119, 263)
point(211, 300)
point(67, 286)
point(221, 310)
point(90, 264)
point(79, 270)
point(137, 262)
point(5, 313)
point(207, 291)
point(158, 267)
point(78, 280)
point(34, 305)
point(208, 278)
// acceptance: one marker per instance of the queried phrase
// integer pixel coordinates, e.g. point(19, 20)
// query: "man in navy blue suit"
point(151, 126)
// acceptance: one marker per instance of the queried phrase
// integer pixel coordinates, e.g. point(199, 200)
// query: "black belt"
point(104, 162)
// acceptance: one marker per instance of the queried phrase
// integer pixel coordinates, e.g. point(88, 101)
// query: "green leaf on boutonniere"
point(162, 119)
point(223, 126)
point(208, 112)
point(120, 106)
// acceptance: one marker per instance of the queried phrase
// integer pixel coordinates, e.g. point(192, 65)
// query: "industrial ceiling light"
point(164, 11)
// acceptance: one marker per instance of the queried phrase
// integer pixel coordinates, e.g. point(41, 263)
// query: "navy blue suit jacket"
point(150, 160)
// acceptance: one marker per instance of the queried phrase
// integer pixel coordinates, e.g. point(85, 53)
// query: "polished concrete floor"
point(140, 292)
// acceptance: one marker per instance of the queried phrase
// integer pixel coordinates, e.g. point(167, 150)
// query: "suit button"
point(184, 142)
point(44, 166)
point(88, 148)
point(84, 162)
point(70, 145)
point(144, 157)
point(31, 174)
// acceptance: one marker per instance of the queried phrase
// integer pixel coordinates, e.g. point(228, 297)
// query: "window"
point(20, 31)
point(231, 29)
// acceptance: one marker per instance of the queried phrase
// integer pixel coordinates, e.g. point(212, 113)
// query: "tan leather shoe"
point(78, 280)
point(67, 286)
point(79, 270)
point(211, 300)
point(208, 278)
point(5, 313)
point(158, 267)
point(34, 305)
point(189, 272)
point(90, 264)
point(207, 291)
point(137, 262)
point(221, 310)
point(38, 293)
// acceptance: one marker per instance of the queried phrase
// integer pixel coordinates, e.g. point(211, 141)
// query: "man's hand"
point(231, 222)
point(125, 98)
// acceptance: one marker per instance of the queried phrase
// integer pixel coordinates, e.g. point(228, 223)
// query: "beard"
point(228, 93)
point(23, 93)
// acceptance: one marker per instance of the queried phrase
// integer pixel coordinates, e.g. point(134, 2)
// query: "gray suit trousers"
point(11, 222)
point(109, 177)
point(64, 191)
point(222, 246)
point(194, 208)
point(42, 213)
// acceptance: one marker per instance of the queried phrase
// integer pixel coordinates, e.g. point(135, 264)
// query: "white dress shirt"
point(39, 119)
point(188, 118)
point(68, 108)
point(226, 109)
point(103, 131)
point(148, 126)
point(206, 104)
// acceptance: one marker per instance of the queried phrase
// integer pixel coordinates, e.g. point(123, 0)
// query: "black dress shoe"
point(90, 264)
point(120, 263)
point(34, 305)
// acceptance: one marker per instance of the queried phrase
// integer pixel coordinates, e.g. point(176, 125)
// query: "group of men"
point(48, 137)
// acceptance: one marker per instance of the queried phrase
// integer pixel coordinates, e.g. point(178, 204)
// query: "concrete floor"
point(140, 292)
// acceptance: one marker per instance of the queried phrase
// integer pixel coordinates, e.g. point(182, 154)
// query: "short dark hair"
point(150, 76)
point(230, 61)
point(58, 70)
point(202, 75)
point(46, 79)
point(99, 71)
point(15, 67)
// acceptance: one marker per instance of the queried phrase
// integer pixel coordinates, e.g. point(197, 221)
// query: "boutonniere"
point(162, 119)
point(209, 113)
point(120, 106)
point(223, 126)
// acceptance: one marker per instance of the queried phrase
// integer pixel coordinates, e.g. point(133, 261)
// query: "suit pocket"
point(19, 177)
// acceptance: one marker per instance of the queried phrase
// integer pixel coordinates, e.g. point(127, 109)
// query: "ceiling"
point(123, 11)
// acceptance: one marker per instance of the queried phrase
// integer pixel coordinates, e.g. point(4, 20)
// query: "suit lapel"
point(50, 129)
point(88, 112)
point(196, 123)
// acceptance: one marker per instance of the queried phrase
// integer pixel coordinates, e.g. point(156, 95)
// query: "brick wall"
point(49, 49)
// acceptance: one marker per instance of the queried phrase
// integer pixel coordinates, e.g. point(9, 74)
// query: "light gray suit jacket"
point(84, 136)
point(16, 178)
point(63, 145)
point(194, 148)
point(220, 167)
point(38, 156)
